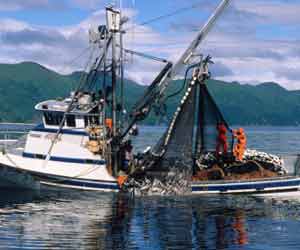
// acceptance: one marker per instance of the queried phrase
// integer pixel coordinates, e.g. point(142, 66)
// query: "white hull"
point(18, 172)
point(23, 170)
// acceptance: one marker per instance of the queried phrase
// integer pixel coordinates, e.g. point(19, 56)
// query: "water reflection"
point(79, 220)
point(221, 228)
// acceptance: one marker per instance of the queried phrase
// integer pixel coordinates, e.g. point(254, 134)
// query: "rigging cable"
point(141, 54)
point(84, 76)
point(73, 60)
point(66, 63)
point(79, 55)
point(170, 14)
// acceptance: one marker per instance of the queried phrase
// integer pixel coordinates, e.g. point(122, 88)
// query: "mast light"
point(113, 19)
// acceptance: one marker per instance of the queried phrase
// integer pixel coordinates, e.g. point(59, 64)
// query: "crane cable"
point(167, 15)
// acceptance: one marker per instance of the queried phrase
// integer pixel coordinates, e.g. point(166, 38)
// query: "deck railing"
point(11, 133)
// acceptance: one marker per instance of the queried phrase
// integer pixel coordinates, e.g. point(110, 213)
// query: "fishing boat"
point(83, 141)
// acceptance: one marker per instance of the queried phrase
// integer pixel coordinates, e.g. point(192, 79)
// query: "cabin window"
point(91, 120)
point(53, 119)
point(70, 120)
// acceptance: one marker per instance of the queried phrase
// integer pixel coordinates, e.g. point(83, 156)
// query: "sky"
point(254, 41)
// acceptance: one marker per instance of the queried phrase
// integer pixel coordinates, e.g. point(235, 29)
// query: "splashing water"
point(174, 182)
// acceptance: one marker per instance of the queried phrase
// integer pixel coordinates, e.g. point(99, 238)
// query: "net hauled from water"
point(193, 130)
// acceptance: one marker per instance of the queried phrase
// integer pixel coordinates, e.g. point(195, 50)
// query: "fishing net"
point(177, 142)
point(193, 130)
point(209, 118)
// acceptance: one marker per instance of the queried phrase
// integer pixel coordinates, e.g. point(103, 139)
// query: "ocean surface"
point(86, 220)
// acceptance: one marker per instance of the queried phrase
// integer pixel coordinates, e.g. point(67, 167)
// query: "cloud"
point(142, 70)
point(54, 47)
point(220, 70)
point(283, 12)
point(10, 25)
point(27, 36)
point(249, 41)
point(244, 44)
point(289, 71)
point(17, 5)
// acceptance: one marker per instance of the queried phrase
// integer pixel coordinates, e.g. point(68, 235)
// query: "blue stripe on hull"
point(258, 186)
point(64, 159)
point(41, 128)
point(66, 181)
point(78, 184)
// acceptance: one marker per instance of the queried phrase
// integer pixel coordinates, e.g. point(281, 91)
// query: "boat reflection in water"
point(227, 227)
point(80, 220)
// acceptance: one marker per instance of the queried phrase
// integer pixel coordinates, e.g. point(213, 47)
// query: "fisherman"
point(240, 147)
point(221, 139)
point(126, 156)
point(109, 127)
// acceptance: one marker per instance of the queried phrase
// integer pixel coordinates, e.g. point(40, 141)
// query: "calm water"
point(83, 220)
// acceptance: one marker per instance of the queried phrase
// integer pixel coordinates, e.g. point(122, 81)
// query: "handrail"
point(17, 123)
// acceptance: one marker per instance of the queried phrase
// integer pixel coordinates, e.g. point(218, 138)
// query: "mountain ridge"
point(24, 84)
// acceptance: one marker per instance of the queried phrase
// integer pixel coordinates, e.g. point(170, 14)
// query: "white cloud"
point(238, 43)
point(54, 47)
point(240, 54)
point(12, 25)
point(283, 12)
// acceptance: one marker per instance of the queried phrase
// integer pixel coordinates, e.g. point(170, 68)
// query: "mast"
point(114, 85)
point(114, 25)
point(104, 77)
point(114, 21)
point(122, 81)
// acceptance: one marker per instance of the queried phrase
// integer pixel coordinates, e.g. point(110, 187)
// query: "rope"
point(167, 15)
point(78, 56)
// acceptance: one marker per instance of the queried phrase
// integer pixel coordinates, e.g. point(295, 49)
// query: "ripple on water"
point(103, 221)
point(81, 220)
